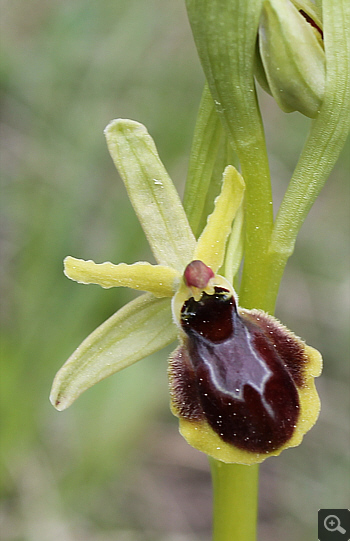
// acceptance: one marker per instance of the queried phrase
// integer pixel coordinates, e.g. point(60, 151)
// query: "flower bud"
point(291, 65)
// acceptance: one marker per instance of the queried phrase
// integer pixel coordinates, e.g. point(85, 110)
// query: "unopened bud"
point(292, 61)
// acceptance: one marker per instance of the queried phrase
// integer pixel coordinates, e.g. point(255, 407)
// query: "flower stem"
point(235, 501)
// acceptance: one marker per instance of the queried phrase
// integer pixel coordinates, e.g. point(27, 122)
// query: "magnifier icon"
point(332, 524)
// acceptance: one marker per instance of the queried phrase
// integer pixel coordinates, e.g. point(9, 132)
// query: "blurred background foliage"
point(113, 467)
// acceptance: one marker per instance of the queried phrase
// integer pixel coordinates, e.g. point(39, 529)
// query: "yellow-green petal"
point(138, 329)
point(156, 279)
point(211, 244)
point(235, 246)
point(151, 192)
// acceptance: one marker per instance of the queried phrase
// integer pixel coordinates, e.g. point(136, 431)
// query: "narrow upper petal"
point(151, 192)
point(211, 244)
point(157, 279)
point(138, 329)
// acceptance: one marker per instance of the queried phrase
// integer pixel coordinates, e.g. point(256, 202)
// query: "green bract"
point(225, 34)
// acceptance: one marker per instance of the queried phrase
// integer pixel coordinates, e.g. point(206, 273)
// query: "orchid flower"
point(241, 384)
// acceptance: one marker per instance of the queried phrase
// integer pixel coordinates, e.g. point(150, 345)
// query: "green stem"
point(235, 501)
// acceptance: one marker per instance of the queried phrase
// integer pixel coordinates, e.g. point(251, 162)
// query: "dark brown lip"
point(234, 372)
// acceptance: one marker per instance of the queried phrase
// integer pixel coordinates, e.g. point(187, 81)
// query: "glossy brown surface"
point(290, 349)
point(230, 372)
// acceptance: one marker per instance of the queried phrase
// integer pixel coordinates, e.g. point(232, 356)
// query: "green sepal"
point(138, 329)
point(151, 192)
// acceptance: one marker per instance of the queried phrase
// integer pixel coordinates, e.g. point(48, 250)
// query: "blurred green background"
point(113, 466)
